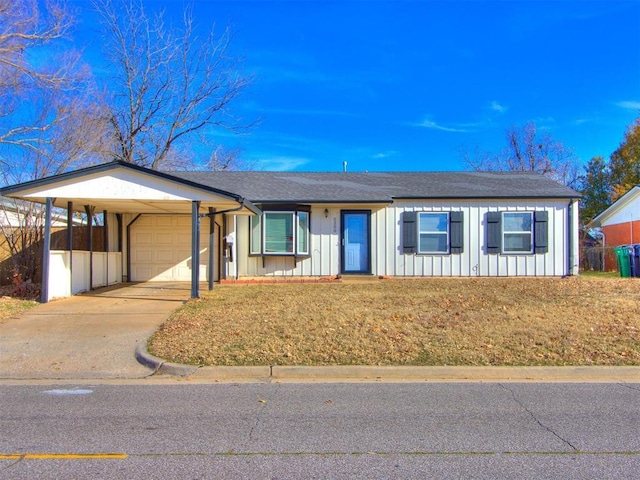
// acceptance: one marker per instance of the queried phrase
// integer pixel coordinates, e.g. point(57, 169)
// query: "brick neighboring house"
point(620, 223)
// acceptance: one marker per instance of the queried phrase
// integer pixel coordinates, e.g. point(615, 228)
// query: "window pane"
point(278, 232)
point(256, 234)
point(517, 242)
point(433, 232)
point(303, 232)
point(433, 242)
point(433, 222)
point(517, 222)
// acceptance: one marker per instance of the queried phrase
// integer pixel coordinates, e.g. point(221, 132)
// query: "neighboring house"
point(12, 215)
point(620, 223)
point(320, 224)
point(20, 231)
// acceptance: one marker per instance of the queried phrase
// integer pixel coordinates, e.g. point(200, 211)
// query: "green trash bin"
point(622, 256)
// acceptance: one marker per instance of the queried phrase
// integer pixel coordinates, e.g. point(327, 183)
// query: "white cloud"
point(496, 107)
point(582, 121)
point(426, 123)
point(381, 155)
point(629, 105)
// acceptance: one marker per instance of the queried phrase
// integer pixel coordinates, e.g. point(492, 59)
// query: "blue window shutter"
point(494, 232)
point(541, 232)
point(456, 231)
point(409, 232)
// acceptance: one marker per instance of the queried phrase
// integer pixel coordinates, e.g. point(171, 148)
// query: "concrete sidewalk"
point(87, 336)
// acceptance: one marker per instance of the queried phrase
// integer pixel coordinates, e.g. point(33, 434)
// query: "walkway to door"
point(93, 335)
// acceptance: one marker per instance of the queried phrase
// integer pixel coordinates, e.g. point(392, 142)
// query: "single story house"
point(251, 224)
point(620, 223)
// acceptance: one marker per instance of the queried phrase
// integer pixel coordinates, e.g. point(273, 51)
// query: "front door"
point(356, 241)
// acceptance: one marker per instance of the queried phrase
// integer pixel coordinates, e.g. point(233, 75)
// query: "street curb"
point(389, 374)
point(218, 374)
point(400, 374)
point(160, 366)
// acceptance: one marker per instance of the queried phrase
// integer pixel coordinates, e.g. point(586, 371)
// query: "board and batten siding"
point(474, 260)
point(387, 257)
point(324, 246)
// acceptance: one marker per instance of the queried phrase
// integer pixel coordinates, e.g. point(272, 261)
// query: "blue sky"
point(405, 85)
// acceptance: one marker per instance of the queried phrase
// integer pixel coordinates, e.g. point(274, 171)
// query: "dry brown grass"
point(486, 321)
point(10, 307)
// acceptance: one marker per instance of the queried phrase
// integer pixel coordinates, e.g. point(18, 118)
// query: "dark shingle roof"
point(371, 187)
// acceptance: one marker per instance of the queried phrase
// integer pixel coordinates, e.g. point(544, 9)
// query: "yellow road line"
point(63, 456)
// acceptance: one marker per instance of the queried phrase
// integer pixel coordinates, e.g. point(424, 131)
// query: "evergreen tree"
point(595, 188)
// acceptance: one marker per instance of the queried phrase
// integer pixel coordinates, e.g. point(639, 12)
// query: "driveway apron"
point(93, 335)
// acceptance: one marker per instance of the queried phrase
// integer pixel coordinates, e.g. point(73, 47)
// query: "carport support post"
point(105, 237)
point(89, 211)
point(195, 249)
point(70, 243)
point(46, 251)
point(212, 252)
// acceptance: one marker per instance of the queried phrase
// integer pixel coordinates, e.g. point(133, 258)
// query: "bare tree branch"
point(169, 84)
point(528, 150)
point(50, 115)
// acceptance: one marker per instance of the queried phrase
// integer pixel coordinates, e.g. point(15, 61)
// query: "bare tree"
point(169, 85)
point(48, 121)
point(44, 92)
point(223, 159)
point(528, 150)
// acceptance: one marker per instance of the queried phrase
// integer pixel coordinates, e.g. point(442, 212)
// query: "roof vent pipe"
point(344, 166)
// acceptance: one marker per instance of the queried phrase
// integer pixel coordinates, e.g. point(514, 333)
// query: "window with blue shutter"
point(517, 232)
point(494, 232)
point(456, 232)
point(432, 232)
point(409, 232)
point(541, 232)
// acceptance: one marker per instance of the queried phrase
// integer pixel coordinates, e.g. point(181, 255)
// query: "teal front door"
point(356, 241)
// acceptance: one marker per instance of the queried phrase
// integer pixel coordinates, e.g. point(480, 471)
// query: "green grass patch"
point(10, 307)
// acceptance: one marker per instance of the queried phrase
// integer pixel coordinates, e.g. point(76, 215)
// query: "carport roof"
point(126, 188)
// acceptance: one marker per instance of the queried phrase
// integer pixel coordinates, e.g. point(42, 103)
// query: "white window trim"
point(519, 232)
point(446, 234)
point(297, 214)
point(261, 251)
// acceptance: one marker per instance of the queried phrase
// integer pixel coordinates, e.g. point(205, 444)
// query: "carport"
point(124, 193)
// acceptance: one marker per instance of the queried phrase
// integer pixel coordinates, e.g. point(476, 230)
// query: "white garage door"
point(161, 249)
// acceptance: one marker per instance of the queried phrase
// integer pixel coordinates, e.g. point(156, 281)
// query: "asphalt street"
point(282, 431)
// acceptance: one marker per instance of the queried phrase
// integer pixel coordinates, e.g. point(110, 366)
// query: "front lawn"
point(433, 321)
point(10, 307)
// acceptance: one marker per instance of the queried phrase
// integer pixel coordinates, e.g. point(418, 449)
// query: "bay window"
point(278, 232)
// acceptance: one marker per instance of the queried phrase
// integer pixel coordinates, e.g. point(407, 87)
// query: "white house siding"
point(386, 247)
point(474, 261)
point(324, 238)
point(628, 212)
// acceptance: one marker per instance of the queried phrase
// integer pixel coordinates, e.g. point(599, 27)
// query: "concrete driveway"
point(93, 335)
